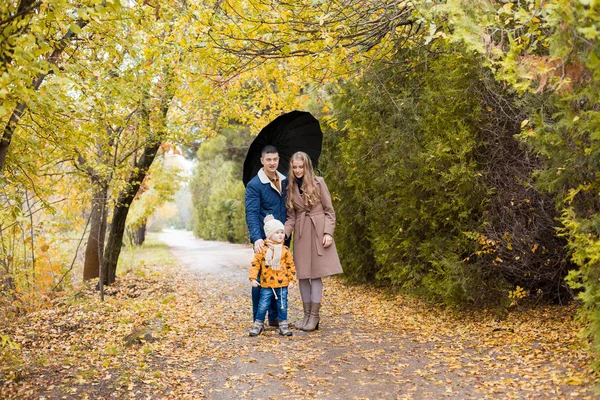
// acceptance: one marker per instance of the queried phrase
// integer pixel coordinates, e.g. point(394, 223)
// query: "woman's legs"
point(304, 285)
point(316, 293)
point(311, 290)
point(316, 290)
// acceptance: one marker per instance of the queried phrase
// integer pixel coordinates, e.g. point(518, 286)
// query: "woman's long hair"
point(311, 195)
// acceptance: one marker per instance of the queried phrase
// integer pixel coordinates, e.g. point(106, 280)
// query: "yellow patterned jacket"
point(270, 278)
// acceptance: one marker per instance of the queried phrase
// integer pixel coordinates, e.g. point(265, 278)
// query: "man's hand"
point(259, 245)
point(255, 283)
point(327, 240)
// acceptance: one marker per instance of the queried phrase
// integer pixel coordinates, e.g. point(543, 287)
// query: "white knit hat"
point(271, 225)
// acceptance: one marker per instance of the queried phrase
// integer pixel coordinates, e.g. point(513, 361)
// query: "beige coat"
point(309, 225)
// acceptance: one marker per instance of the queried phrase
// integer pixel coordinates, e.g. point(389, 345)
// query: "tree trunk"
point(139, 235)
point(101, 262)
point(117, 229)
point(91, 264)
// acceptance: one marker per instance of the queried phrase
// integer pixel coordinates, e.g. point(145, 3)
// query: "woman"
point(311, 216)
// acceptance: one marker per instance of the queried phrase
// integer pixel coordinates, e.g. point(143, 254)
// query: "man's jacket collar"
point(264, 179)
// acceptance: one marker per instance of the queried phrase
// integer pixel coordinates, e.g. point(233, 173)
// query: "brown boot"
point(302, 324)
point(313, 319)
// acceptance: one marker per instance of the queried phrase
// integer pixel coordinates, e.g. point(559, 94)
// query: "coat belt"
point(314, 224)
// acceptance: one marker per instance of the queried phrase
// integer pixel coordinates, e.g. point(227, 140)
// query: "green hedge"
point(218, 191)
point(419, 204)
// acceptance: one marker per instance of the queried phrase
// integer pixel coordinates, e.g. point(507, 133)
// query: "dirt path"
point(167, 332)
point(373, 345)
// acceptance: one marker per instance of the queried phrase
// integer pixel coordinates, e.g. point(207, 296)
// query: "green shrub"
point(409, 185)
point(434, 192)
point(217, 189)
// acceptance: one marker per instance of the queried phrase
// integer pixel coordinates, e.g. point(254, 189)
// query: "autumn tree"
point(35, 37)
point(38, 41)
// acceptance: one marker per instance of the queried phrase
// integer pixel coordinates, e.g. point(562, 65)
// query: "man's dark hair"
point(268, 149)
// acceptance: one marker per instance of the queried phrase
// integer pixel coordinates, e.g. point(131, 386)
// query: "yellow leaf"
point(574, 380)
point(534, 248)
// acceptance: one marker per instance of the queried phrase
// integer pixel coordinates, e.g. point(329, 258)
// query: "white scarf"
point(273, 255)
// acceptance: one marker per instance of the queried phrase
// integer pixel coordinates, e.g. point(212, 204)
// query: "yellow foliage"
point(518, 294)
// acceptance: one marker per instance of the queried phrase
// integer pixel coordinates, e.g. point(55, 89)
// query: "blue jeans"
point(273, 316)
point(266, 296)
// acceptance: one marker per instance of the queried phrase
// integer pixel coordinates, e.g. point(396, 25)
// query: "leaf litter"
point(174, 334)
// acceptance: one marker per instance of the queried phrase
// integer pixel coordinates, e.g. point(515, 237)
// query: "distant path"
point(371, 345)
point(225, 260)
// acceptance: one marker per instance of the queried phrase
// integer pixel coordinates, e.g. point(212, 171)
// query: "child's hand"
point(259, 245)
point(255, 283)
point(291, 285)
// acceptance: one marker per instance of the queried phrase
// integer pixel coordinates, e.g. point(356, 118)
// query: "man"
point(265, 194)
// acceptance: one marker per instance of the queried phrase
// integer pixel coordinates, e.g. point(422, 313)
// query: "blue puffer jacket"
point(263, 199)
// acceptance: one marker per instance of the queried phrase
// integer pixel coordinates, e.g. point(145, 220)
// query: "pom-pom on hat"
point(271, 225)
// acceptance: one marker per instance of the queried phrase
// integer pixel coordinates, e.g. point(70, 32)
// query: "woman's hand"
point(327, 240)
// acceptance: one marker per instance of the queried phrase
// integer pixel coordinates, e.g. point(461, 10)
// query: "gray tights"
point(311, 290)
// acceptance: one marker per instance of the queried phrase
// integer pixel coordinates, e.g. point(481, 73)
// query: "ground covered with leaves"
point(166, 332)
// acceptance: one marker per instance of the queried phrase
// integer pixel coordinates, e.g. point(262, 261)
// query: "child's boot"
point(257, 328)
point(283, 328)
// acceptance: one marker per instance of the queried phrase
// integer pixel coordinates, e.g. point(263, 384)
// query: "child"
point(276, 269)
